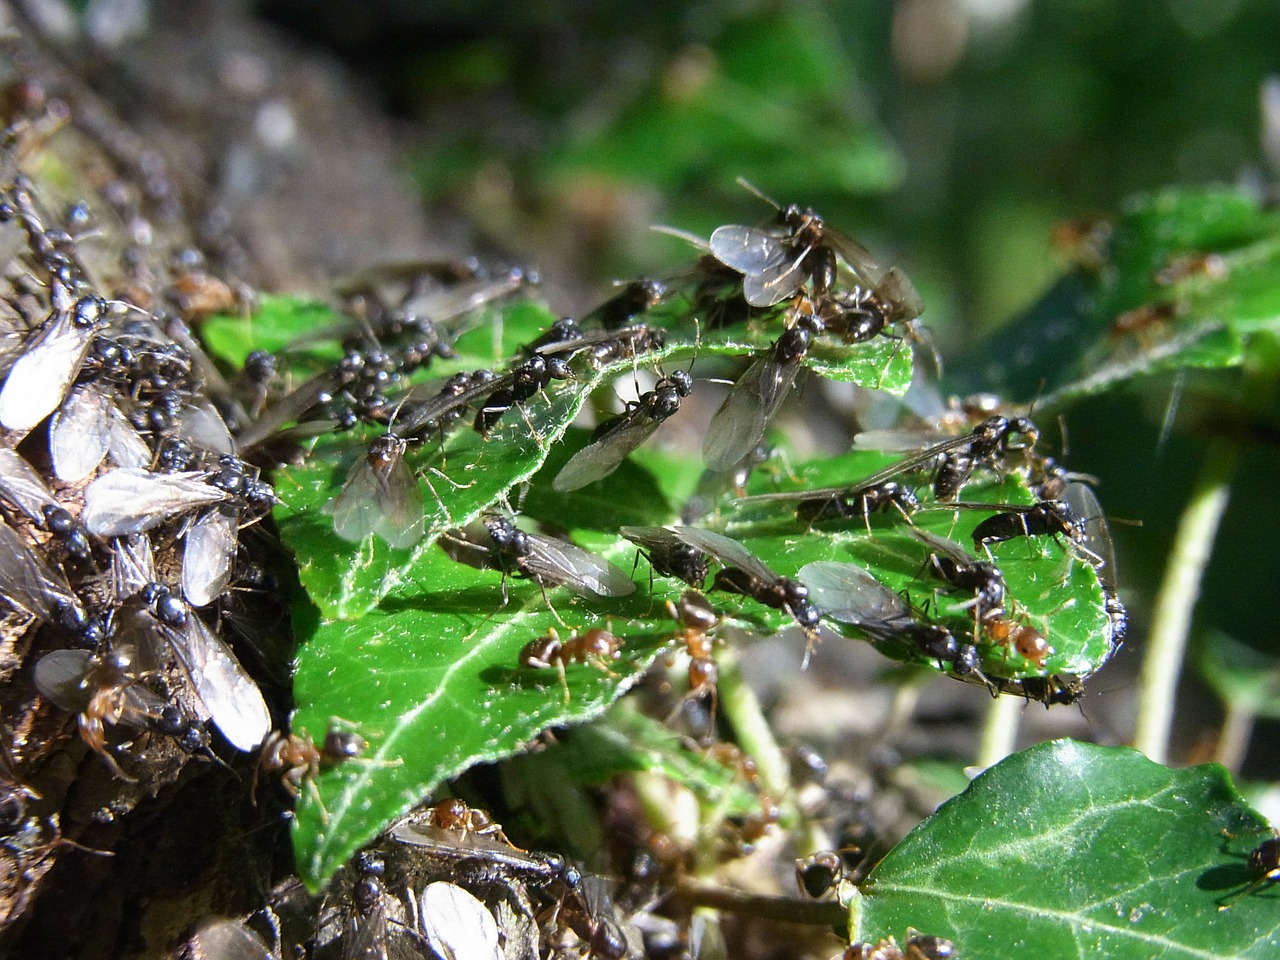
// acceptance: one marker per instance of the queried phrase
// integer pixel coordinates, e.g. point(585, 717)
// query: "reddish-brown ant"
point(596, 646)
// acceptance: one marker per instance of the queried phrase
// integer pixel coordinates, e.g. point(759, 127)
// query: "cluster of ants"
point(148, 447)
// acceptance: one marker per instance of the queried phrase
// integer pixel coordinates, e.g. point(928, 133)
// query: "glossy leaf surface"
point(1082, 851)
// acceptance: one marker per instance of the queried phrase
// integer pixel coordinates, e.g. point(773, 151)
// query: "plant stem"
point(1193, 541)
point(1233, 741)
point(1000, 730)
point(754, 735)
point(1171, 622)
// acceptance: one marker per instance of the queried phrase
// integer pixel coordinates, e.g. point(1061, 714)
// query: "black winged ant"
point(669, 555)
point(887, 495)
point(951, 460)
point(633, 299)
point(757, 396)
point(1264, 861)
point(231, 697)
point(742, 573)
point(799, 248)
point(595, 646)
point(851, 595)
point(28, 582)
point(380, 496)
point(497, 543)
point(615, 439)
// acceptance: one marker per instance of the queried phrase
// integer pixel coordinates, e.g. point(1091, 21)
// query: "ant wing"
point(80, 433)
point(39, 379)
point(208, 554)
point(456, 924)
point(234, 702)
point(29, 582)
point(846, 592)
point(379, 500)
point(729, 552)
point(601, 457)
point(754, 401)
point(582, 573)
point(131, 500)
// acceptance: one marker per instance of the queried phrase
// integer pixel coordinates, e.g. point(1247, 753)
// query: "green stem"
point(1233, 741)
point(1000, 730)
point(1171, 621)
point(754, 735)
point(1193, 542)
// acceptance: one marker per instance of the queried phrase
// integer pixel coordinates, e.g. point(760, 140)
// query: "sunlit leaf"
point(431, 679)
point(1082, 851)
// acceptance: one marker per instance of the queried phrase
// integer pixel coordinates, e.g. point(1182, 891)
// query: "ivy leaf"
point(626, 741)
point(1177, 282)
point(436, 688)
point(276, 324)
point(1072, 850)
point(1048, 588)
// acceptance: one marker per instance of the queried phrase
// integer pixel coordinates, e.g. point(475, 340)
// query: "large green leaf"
point(1049, 589)
point(1177, 282)
point(1069, 850)
point(431, 679)
point(467, 474)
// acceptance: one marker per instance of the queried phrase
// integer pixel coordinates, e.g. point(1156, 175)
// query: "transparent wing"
point(208, 554)
point(58, 675)
point(131, 500)
point(22, 486)
point(846, 592)
point(1084, 504)
point(40, 378)
point(80, 433)
point(386, 502)
point(230, 695)
point(749, 250)
point(754, 401)
point(601, 457)
point(457, 925)
point(224, 939)
point(28, 581)
point(582, 573)
point(729, 552)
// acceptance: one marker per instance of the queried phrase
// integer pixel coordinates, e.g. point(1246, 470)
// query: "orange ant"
point(697, 619)
point(596, 646)
point(299, 761)
point(454, 815)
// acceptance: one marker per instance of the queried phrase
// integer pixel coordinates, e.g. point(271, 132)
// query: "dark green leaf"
point(430, 679)
point(1049, 589)
point(1182, 279)
point(1070, 850)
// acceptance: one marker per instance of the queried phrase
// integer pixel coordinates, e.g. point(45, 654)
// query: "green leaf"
point(739, 106)
point(435, 688)
point(1242, 676)
point(626, 741)
point(1183, 278)
point(1069, 850)
point(458, 481)
point(276, 323)
point(1048, 588)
